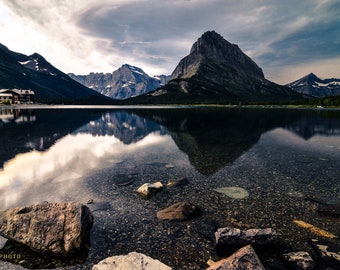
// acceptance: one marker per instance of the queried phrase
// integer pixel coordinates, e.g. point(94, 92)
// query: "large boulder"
point(236, 237)
point(59, 228)
point(244, 258)
point(132, 261)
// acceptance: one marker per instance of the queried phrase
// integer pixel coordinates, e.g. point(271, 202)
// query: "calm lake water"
point(287, 160)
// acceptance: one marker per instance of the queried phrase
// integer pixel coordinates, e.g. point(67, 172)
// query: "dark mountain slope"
point(49, 84)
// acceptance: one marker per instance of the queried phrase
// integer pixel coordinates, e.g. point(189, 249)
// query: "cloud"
point(89, 35)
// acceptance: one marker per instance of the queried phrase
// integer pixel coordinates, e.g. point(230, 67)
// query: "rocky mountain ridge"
point(312, 85)
point(127, 81)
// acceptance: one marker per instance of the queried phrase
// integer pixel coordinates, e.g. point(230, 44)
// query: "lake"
point(287, 160)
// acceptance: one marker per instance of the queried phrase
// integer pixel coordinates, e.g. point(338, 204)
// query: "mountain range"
point(217, 71)
point(313, 86)
point(49, 83)
point(127, 81)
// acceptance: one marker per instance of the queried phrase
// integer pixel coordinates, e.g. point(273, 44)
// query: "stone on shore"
point(244, 258)
point(147, 190)
point(179, 211)
point(3, 242)
point(178, 182)
point(132, 261)
point(329, 251)
point(59, 228)
point(256, 237)
point(300, 260)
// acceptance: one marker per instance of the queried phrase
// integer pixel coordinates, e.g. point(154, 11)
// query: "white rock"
point(132, 261)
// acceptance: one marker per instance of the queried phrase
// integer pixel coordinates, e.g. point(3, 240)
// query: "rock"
point(244, 258)
point(125, 179)
point(329, 251)
point(3, 242)
point(233, 192)
point(300, 260)
point(147, 190)
point(59, 228)
point(178, 183)
point(236, 237)
point(331, 209)
point(179, 211)
point(132, 261)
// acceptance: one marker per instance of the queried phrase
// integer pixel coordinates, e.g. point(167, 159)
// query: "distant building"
point(17, 96)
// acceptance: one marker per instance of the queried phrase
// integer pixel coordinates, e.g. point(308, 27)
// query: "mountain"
point(49, 84)
point(313, 86)
point(127, 81)
point(217, 71)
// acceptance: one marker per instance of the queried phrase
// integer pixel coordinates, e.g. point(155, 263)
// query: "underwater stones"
point(147, 190)
point(178, 182)
point(233, 192)
point(256, 237)
point(244, 258)
point(179, 211)
point(331, 210)
point(329, 251)
point(125, 179)
point(59, 228)
point(132, 261)
point(300, 260)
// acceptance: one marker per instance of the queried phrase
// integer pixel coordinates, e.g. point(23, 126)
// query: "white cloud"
point(87, 35)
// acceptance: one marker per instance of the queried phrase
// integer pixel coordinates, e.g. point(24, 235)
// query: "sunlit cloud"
point(81, 36)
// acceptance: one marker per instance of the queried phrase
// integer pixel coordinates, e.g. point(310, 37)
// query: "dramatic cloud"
point(86, 35)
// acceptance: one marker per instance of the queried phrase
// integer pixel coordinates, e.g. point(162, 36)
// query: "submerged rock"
point(59, 228)
point(178, 182)
point(331, 209)
point(244, 258)
point(233, 192)
point(179, 211)
point(147, 190)
point(132, 261)
point(236, 237)
point(300, 260)
point(329, 251)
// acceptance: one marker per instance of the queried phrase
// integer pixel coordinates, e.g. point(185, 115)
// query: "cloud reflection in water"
point(29, 177)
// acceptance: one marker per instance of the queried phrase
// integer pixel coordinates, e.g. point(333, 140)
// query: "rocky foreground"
point(63, 228)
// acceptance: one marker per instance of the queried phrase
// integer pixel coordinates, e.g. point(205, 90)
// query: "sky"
point(287, 39)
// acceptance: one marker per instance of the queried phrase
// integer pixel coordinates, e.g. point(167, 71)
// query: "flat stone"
point(233, 192)
point(59, 228)
point(132, 261)
point(179, 211)
point(236, 237)
point(147, 190)
point(244, 258)
point(300, 260)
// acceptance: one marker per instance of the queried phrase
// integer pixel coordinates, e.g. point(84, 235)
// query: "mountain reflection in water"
point(81, 154)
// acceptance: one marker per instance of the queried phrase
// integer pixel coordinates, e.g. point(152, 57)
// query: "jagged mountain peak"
point(212, 47)
point(125, 82)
